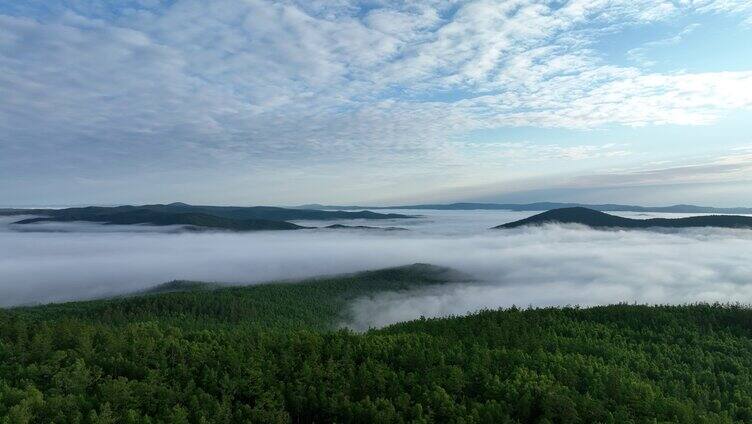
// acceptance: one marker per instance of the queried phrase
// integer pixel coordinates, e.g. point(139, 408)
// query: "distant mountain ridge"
point(597, 219)
point(196, 221)
point(234, 212)
point(545, 206)
point(232, 218)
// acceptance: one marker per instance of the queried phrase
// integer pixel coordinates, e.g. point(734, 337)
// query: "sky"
point(375, 102)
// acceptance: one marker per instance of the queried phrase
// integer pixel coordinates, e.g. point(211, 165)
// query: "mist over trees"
point(266, 354)
point(286, 351)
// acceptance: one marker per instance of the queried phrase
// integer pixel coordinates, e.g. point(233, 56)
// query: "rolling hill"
point(596, 219)
point(319, 303)
point(194, 221)
point(363, 227)
point(231, 212)
point(189, 352)
point(255, 218)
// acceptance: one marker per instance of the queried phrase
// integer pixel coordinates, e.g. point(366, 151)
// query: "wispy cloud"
point(639, 54)
point(727, 168)
point(511, 152)
point(227, 84)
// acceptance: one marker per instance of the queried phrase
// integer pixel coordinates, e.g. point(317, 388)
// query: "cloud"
point(238, 73)
point(550, 265)
point(105, 93)
point(732, 167)
point(638, 54)
point(533, 152)
point(718, 6)
point(569, 265)
point(720, 180)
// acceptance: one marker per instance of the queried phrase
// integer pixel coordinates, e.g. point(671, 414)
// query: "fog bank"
point(551, 265)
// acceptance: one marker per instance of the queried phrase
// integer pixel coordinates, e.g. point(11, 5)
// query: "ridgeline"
point(230, 218)
point(596, 219)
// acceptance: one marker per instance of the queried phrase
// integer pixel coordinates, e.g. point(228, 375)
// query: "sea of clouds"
point(539, 266)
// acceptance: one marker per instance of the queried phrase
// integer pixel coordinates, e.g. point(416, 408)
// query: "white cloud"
point(551, 265)
point(534, 152)
point(718, 6)
point(227, 84)
point(639, 54)
point(626, 97)
point(570, 265)
point(732, 167)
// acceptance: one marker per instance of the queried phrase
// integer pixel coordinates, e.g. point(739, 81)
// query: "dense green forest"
point(200, 353)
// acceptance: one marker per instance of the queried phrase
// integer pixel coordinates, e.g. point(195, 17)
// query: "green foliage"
point(319, 303)
point(216, 355)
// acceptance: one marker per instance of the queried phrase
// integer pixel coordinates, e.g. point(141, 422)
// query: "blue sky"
point(262, 102)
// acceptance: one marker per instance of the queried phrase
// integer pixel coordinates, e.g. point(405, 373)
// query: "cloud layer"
point(552, 265)
point(570, 265)
point(96, 92)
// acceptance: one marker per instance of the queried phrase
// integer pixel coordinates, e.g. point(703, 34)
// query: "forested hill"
point(545, 206)
point(231, 212)
point(203, 353)
point(195, 221)
point(196, 217)
point(320, 303)
point(598, 219)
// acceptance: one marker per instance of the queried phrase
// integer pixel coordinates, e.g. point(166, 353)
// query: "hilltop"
point(597, 219)
point(195, 221)
point(363, 227)
point(320, 302)
point(196, 217)
point(235, 212)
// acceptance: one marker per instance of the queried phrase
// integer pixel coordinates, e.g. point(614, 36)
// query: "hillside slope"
point(597, 219)
point(230, 212)
point(319, 303)
point(196, 221)
point(267, 354)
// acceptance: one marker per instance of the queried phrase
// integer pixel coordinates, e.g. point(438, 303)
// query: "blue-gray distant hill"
point(234, 212)
point(545, 206)
point(194, 221)
point(196, 217)
point(597, 219)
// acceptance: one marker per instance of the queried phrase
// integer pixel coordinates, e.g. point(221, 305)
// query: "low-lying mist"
point(550, 265)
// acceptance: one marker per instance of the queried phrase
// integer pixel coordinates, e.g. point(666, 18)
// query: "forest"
point(188, 352)
point(196, 218)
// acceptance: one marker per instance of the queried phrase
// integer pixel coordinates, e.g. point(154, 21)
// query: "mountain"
point(597, 219)
point(545, 206)
point(144, 216)
point(282, 214)
point(232, 212)
point(363, 227)
point(233, 218)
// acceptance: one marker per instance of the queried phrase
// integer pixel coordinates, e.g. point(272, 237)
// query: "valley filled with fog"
point(538, 266)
